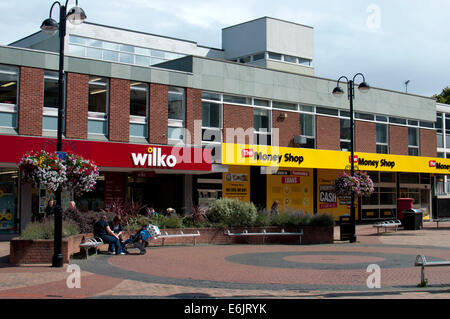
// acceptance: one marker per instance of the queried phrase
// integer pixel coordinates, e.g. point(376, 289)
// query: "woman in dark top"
point(103, 230)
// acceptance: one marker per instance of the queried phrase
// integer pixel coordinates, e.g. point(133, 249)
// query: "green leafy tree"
point(444, 97)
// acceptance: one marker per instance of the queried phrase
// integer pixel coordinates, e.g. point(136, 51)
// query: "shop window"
point(98, 105)
point(177, 114)
point(9, 218)
point(9, 78)
point(51, 101)
point(262, 125)
point(138, 109)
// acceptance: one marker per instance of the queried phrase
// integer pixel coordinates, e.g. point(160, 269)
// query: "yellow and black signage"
point(288, 157)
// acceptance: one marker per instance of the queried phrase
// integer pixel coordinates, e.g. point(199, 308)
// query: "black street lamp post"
point(338, 91)
point(75, 15)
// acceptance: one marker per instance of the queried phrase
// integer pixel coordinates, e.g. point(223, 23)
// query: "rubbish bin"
point(345, 227)
point(413, 219)
point(402, 205)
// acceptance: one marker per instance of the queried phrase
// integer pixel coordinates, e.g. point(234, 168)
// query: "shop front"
point(303, 179)
point(159, 176)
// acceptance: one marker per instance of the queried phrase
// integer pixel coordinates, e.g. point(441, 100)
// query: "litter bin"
point(403, 204)
point(345, 226)
point(413, 219)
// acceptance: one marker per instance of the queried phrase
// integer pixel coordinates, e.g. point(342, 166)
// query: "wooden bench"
point(387, 224)
point(92, 242)
point(181, 234)
point(264, 234)
point(421, 261)
point(441, 220)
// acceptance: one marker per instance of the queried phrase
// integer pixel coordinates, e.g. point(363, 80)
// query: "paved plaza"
point(336, 270)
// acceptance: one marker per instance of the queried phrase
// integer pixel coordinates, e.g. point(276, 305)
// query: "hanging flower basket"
point(47, 170)
point(43, 168)
point(360, 184)
point(81, 174)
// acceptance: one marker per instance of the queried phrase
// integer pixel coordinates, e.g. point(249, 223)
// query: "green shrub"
point(263, 219)
point(45, 230)
point(232, 212)
point(300, 218)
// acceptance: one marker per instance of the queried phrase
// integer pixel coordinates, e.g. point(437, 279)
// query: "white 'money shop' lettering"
point(154, 159)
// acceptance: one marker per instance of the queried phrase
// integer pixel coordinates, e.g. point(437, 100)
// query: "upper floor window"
point(382, 139)
point(9, 78)
point(262, 122)
point(51, 101)
point(98, 105)
point(345, 135)
point(307, 129)
point(176, 113)
point(138, 109)
point(413, 141)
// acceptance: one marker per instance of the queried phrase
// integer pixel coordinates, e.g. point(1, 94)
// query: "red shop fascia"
point(141, 159)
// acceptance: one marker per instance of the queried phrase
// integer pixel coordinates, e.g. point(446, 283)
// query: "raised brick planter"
point(41, 251)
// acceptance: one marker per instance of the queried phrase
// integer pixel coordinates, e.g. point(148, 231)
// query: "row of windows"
point(273, 56)
point(116, 52)
point(212, 108)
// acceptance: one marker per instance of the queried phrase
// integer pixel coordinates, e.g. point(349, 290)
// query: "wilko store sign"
point(113, 155)
point(153, 158)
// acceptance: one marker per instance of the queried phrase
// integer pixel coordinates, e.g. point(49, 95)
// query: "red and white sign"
point(290, 180)
point(355, 159)
point(297, 173)
point(432, 163)
point(110, 154)
point(247, 152)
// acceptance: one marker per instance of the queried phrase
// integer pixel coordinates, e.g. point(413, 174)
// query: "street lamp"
point(337, 92)
point(76, 16)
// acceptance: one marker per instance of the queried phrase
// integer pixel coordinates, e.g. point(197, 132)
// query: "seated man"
point(102, 230)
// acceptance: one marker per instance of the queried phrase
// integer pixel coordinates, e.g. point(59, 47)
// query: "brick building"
point(129, 93)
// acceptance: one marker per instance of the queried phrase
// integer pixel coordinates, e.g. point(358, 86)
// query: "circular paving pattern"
point(333, 259)
point(274, 267)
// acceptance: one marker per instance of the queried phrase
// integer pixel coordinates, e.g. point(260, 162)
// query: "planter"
point(41, 251)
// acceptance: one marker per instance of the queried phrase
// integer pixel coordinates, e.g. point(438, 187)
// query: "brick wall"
point(398, 140)
point(158, 113)
point(31, 100)
point(119, 110)
point(193, 113)
point(365, 137)
point(427, 143)
point(77, 101)
point(237, 117)
point(288, 127)
point(328, 133)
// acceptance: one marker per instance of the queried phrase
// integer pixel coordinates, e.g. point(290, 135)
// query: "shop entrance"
point(159, 191)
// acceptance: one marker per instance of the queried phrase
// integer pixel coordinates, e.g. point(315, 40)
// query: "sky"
point(389, 41)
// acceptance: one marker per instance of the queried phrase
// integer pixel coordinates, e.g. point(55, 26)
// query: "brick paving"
point(249, 271)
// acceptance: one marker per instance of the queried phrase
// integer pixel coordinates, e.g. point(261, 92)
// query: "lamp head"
point(49, 26)
point(338, 91)
point(363, 87)
point(76, 15)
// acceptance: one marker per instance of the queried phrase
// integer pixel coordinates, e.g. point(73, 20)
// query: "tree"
point(444, 97)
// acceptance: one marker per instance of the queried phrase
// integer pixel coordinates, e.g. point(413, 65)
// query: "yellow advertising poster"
point(327, 200)
point(293, 189)
point(236, 183)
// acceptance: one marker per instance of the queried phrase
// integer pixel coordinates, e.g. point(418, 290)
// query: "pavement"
point(338, 270)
